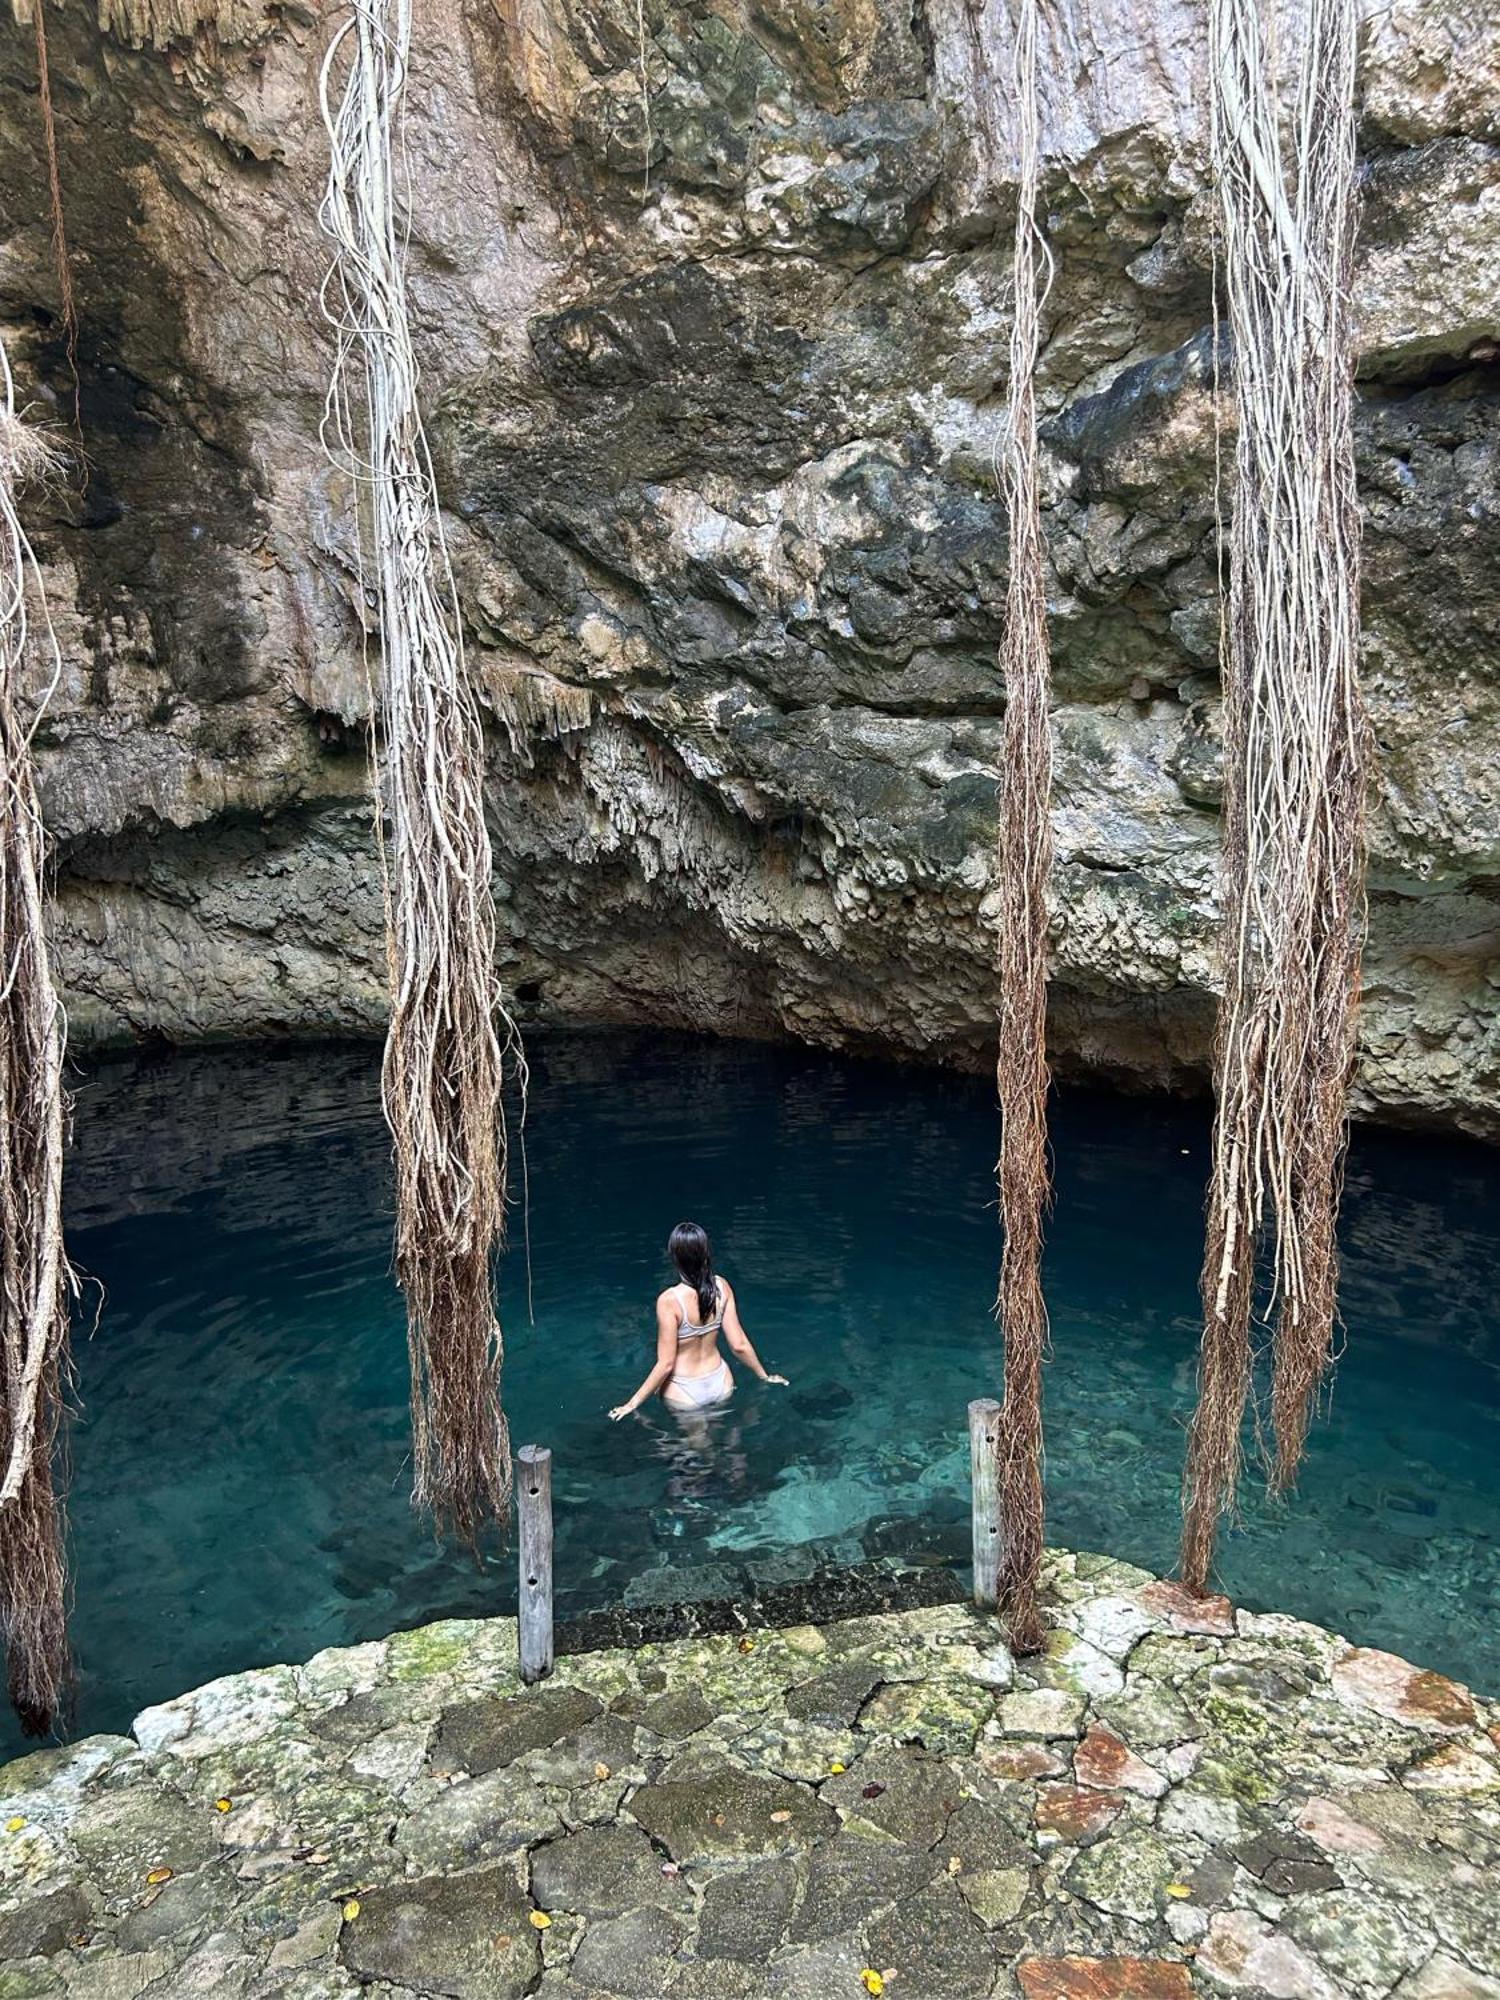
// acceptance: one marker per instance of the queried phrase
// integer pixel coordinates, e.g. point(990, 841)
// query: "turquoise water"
point(240, 1479)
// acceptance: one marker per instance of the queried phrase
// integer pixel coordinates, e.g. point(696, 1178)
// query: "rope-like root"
point(444, 1059)
point(36, 1283)
point(62, 262)
point(1297, 747)
point(1025, 862)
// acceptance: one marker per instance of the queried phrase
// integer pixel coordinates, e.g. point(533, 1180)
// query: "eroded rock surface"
point(715, 365)
point(1274, 1832)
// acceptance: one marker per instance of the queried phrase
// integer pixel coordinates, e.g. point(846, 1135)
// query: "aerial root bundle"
point(36, 1284)
point(444, 1057)
point(1025, 862)
point(1296, 745)
point(62, 262)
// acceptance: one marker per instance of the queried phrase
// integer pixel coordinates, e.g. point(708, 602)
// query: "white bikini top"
point(689, 1330)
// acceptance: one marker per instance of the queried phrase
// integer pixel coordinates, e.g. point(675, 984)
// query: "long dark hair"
point(690, 1250)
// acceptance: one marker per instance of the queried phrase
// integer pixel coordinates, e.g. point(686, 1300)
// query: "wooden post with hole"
point(534, 1603)
point(984, 1469)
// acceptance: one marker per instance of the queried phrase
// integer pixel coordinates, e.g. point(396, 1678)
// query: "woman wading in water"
point(690, 1372)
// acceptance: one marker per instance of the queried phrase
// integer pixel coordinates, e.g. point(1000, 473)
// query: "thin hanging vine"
point(444, 1055)
point(36, 1283)
point(1297, 745)
point(62, 261)
point(1025, 864)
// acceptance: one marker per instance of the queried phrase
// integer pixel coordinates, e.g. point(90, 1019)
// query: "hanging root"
point(35, 1280)
point(1297, 748)
point(1025, 861)
point(444, 1058)
point(60, 258)
point(648, 140)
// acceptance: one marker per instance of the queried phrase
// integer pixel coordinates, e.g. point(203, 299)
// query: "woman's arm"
point(739, 1340)
point(666, 1359)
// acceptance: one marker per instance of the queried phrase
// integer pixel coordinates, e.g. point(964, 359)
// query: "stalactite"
point(35, 1280)
point(444, 1056)
point(1025, 861)
point(1296, 741)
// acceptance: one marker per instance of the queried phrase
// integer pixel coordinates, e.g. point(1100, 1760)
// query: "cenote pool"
point(240, 1486)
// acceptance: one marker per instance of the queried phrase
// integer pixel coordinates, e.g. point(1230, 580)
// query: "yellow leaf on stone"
point(223, 1805)
point(780, 1818)
point(540, 1921)
point(351, 1909)
point(955, 1864)
point(14, 1825)
point(871, 1980)
point(601, 1772)
point(1178, 1889)
point(155, 1875)
point(837, 1771)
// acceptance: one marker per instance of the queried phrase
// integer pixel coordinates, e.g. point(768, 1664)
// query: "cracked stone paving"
point(1178, 1798)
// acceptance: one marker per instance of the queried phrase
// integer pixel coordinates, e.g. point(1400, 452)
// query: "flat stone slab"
point(936, 1946)
point(1076, 1814)
point(729, 1813)
point(632, 1955)
point(1393, 1687)
point(1103, 1979)
point(899, 1791)
point(600, 1871)
point(466, 1935)
point(482, 1735)
point(1183, 1612)
point(1176, 1799)
point(851, 1879)
point(1103, 1761)
point(836, 1696)
point(43, 1924)
point(746, 1914)
point(682, 1713)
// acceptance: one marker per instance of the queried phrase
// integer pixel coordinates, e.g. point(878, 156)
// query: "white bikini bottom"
point(697, 1392)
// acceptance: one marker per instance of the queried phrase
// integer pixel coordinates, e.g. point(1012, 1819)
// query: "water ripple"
point(241, 1472)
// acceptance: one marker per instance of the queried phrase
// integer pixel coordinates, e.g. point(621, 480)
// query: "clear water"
point(240, 1480)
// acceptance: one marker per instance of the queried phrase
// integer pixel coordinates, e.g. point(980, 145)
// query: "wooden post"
point(534, 1603)
point(984, 1470)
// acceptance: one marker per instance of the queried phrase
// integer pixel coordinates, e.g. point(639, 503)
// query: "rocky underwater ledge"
point(1177, 1798)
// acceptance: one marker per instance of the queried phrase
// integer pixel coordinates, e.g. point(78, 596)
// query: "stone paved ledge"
point(1178, 1800)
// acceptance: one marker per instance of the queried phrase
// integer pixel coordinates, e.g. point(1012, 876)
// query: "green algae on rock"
point(1242, 1813)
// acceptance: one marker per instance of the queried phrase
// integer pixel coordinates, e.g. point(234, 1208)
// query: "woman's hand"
point(780, 1381)
point(621, 1410)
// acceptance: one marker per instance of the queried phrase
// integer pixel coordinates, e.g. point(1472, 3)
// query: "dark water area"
point(240, 1470)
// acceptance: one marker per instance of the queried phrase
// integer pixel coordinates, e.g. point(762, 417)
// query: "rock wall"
point(712, 305)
